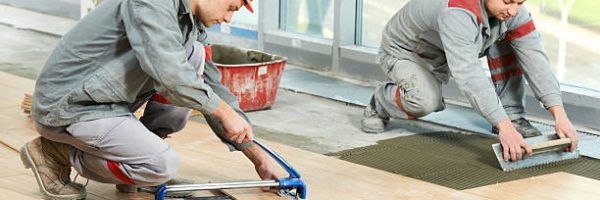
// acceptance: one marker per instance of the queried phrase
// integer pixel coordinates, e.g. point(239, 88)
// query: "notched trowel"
point(546, 149)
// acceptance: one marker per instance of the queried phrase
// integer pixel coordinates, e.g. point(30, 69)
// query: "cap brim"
point(248, 6)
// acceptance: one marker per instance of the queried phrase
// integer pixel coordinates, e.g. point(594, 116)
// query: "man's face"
point(503, 9)
point(211, 12)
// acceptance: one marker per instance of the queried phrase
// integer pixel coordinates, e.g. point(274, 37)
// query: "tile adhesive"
point(454, 160)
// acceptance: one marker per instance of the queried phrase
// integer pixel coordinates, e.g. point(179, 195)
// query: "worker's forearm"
point(256, 155)
point(223, 111)
point(262, 162)
point(558, 112)
point(504, 125)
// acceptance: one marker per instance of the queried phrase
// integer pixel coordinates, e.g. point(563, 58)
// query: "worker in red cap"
point(112, 62)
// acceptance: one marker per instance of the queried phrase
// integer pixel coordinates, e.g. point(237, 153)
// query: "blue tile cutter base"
point(286, 184)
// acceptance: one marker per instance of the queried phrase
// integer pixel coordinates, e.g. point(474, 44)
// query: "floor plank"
point(557, 186)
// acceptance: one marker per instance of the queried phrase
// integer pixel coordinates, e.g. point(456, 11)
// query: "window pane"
point(581, 39)
point(577, 64)
point(243, 18)
point(376, 14)
point(313, 17)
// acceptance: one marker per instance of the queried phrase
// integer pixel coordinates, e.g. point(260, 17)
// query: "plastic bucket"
point(252, 76)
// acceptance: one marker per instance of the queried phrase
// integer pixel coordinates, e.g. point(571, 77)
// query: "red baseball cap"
point(248, 5)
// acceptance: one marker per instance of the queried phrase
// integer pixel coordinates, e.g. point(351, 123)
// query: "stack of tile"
point(26, 104)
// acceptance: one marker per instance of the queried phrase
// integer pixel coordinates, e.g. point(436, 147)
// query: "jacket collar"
point(485, 18)
point(184, 7)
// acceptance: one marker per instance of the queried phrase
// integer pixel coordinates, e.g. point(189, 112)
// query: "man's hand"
point(262, 162)
point(265, 171)
point(236, 128)
point(563, 126)
point(511, 141)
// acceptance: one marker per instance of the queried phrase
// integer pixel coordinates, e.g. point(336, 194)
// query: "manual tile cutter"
point(286, 184)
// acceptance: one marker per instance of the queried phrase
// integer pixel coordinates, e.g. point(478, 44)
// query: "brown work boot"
point(50, 164)
point(124, 188)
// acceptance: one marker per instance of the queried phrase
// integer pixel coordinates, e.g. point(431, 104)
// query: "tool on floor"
point(546, 149)
point(287, 185)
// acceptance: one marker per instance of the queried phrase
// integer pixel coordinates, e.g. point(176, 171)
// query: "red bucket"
point(252, 76)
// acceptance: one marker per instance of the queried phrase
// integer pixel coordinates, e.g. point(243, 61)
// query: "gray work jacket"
point(447, 37)
point(119, 52)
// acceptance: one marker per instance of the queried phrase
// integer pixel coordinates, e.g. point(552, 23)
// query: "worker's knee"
point(164, 119)
point(177, 118)
point(419, 105)
point(420, 108)
point(158, 170)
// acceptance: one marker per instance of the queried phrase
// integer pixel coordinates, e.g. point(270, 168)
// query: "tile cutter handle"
point(292, 182)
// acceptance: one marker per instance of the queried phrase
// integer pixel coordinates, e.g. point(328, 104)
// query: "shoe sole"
point(372, 131)
point(28, 163)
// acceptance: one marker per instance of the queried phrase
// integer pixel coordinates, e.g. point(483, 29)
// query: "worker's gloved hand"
point(236, 128)
point(563, 126)
point(512, 141)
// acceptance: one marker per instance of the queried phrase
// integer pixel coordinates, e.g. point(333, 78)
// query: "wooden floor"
point(552, 186)
point(205, 159)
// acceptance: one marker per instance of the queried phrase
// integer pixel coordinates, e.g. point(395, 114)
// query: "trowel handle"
point(552, 145)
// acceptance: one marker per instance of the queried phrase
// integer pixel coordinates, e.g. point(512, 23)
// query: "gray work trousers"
point(412, 91)
point(125, 150)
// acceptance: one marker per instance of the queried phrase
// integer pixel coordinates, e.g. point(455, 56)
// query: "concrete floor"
point(321, 125)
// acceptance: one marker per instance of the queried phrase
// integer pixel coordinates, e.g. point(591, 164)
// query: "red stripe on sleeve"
point(503, 61)
point(521, 31)
point(504, 75)
point(471, 5)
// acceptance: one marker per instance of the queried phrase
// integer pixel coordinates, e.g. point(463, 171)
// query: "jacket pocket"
point(101, 90)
